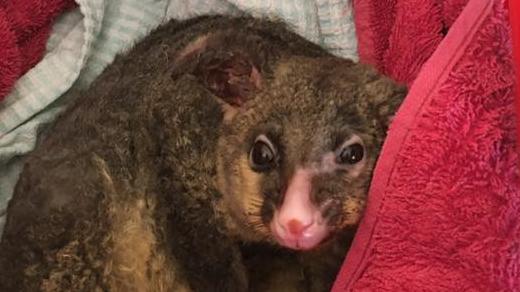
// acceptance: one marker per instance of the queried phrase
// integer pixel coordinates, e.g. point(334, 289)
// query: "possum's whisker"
point(256, 223)
point(256, 199)
point(254, 207)
point(256, 202)
point(260, 230)
point(253, 211)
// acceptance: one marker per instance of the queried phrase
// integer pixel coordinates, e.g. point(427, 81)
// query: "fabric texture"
point(444, 204)
point(24, 28)
point(389, 29)
point(84, 41)
point(514, 19)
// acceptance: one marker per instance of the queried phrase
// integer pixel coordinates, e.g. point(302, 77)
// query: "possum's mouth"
point(299, 237)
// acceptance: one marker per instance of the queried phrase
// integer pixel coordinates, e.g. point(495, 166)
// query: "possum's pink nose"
point(295, 235)
point(295, 227)
point(298, 223)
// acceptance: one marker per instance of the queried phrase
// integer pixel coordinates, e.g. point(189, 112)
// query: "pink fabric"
point(387, 28)
point(514, 19)
point(444, 205)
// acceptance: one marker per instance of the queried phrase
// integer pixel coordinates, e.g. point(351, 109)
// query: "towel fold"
point(444, 204)
point(397, 36)
point(24, 28)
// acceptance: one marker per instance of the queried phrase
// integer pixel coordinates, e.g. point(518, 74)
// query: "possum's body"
point(128, 191)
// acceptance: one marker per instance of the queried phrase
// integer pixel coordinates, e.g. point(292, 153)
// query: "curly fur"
point(124, 192)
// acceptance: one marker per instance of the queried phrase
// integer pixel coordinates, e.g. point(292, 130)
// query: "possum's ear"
point(230, 75)
point(385, 96)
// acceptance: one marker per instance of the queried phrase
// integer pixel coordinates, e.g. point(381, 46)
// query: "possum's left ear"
point(384, 97)
point(230, 74)
point(396, 95)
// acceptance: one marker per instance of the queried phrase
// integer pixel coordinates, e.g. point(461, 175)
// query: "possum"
point(218, 154)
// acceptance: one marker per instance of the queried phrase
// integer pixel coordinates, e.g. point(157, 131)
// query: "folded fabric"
point(24, 28)
point(444, 204)
point(390, 28)
point(84, 41)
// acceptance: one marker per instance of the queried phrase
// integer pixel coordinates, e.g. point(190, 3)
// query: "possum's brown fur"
point(134, 187)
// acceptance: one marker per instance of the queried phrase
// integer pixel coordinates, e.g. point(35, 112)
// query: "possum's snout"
point(298, 223)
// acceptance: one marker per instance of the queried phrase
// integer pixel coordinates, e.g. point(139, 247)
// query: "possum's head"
point(296, 165)
point(295, 160)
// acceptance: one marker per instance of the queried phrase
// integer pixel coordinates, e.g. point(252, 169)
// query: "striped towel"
point(84, 41)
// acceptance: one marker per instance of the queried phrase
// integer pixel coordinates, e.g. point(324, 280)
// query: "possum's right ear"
point(230, 74)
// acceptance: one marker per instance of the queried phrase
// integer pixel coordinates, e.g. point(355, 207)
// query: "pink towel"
point(444, 205)
point(514, 18)
point(24, 28)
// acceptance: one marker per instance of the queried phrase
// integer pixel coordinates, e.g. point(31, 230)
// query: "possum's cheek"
point(352, 208)
point(246, 200)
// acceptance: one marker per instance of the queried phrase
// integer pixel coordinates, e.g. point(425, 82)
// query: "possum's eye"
point(351, 154)
point(262, 155)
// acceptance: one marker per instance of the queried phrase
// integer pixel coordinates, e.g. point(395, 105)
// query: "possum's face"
point(295, 166)
point(300, 135)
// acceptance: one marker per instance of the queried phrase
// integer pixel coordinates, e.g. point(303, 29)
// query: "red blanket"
point(24, 29)
point(444, 205)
